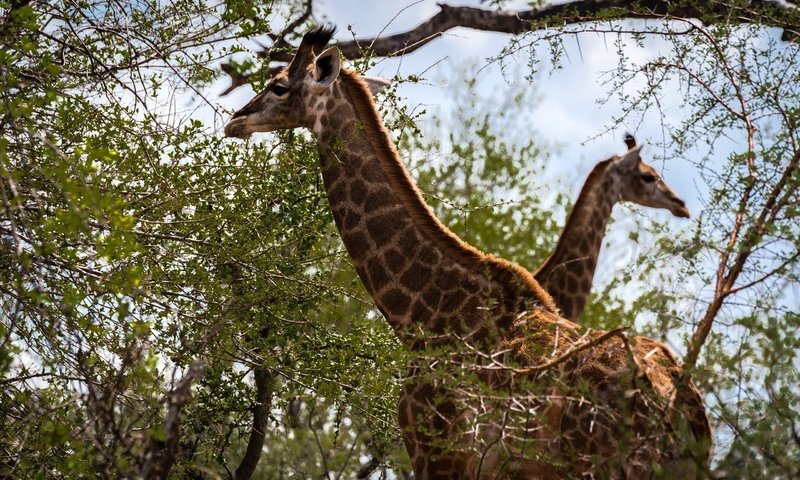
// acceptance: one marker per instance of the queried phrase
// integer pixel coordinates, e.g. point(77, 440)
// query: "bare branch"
point(777, 199)
point(319, 444)
point(578, 347)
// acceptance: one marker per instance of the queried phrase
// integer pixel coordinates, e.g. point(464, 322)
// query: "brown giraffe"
point(480, 400)
point(567, 275)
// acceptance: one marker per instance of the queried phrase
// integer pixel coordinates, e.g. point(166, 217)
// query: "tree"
point(169, 306)
point(131, 241)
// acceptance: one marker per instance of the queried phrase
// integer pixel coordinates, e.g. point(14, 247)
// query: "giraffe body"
point(469, 318)
point(568, 273)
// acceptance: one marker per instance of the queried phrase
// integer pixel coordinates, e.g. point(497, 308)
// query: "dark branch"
point(280, 39)
point(261, 406)
point(161, 455)
point(366, 469)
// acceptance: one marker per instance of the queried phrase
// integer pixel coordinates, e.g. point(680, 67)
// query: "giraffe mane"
point(410, 196)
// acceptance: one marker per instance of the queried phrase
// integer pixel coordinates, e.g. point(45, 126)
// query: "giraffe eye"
point(278, 90)
point(647, 178)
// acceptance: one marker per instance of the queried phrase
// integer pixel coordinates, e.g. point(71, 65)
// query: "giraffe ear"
point(376, 84)
point(630, 159)
point(326, 68)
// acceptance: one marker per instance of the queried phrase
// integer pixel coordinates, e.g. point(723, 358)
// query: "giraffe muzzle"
point(237, 127)
point(680, 209)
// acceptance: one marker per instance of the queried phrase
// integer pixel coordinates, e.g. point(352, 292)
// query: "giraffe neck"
point(567, 275)
point(418, 273)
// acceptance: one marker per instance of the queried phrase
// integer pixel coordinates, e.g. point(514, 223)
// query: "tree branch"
point(161, 455)
point(777, 199)
point(261, 406)
point(575, 349)
point(366, 469)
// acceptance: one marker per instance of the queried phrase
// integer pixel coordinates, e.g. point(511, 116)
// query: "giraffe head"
point(642, 184)
point(295, 96)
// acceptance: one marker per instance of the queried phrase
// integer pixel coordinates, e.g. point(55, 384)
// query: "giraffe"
point(472, 320)
point(567, 274)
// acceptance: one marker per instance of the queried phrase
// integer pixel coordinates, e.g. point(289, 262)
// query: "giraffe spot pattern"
point(362, 274)
point(358, 192)
point(378, 277)
point(572, 283)
point(428, 256)
point(356, 245)
point(432, 296)
point(451, 301)
point(372, 175)
point(567, 306)
point(351, 220)
point(473, 315)
point(379, 200)
point(440, 323)
point(339, 111)
point(420, 312)
point(396, 301)
point(353, 164)
point(330, 172)
point(336, 194)
point(382, 228)
point(447, 280)
point(585, 246)
point(597, 223)
point(408, 242)
point(395, 260)
point(416, 277)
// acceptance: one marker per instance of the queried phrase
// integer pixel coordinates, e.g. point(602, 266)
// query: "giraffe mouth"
point(684, 213)
point(680, 209)
point(237, 127)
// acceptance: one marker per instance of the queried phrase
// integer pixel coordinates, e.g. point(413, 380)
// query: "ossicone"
point(318, 38)
point(630, 142)
point(313, 44)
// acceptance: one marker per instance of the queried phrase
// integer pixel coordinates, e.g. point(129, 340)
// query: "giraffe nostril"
point(680, 202)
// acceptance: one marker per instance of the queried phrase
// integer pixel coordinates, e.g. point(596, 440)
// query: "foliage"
point(161, 286)
point(137, 243)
